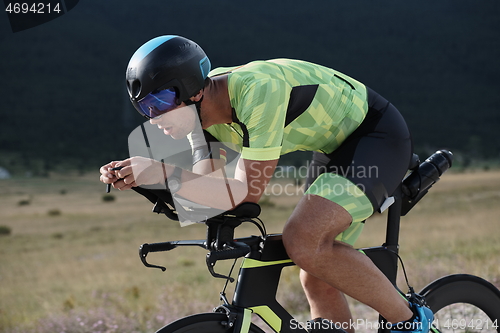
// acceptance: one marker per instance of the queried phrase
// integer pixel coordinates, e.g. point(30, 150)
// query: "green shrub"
point(5, 230)
point(54, 212)
point(108, 197)
point(24, 202)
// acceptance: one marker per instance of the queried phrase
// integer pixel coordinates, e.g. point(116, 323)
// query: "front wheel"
point(464, 303)
point(203, 323)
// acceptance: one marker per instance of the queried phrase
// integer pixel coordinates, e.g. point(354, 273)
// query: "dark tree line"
point(64, 100)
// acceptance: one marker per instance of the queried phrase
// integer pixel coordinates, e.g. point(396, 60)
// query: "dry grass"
point(70, 252)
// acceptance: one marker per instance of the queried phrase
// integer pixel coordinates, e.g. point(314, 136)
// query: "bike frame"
point(264, 270)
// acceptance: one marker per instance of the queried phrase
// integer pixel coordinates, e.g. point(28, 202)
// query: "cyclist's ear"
point(197, 97)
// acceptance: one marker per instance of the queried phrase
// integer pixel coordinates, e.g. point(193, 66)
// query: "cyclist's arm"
point(256, 174)
point(251, 179)
point(207, 166)
point(213, 190)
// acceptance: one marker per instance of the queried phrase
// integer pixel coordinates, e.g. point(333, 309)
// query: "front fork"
point(238, 319)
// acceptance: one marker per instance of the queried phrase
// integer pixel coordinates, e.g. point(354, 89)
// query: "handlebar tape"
point(237, 252)
point(158, 247)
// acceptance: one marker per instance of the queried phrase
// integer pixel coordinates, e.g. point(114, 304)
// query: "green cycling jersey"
point(282, 105)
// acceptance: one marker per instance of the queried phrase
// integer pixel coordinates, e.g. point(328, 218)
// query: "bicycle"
point(455, 299)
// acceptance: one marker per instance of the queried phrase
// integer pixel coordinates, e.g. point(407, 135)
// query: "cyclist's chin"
point(167, 131)
point(170, 131)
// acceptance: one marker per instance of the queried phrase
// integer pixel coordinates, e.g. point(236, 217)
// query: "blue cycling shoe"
point(420, 322)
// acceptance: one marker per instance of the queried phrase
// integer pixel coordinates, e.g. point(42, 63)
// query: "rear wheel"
point(464, 303)
point(203, 323)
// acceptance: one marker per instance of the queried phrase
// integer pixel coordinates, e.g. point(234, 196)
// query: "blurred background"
point(64, 102)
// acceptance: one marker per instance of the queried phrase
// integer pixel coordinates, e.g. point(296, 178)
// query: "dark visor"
point(156, 103)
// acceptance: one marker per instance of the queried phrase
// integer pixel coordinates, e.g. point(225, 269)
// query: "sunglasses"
point(156, 103)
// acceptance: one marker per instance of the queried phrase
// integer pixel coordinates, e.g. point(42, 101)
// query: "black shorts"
point(375, 158)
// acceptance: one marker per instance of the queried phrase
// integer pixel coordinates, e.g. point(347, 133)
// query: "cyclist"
point(361, 144)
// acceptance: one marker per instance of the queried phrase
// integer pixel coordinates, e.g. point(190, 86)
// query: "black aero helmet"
point(167, 63)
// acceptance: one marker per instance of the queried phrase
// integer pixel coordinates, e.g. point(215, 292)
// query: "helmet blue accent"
point(205, 67)
point(147, 48)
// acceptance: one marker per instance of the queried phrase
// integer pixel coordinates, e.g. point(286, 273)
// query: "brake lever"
point(143, 252)
point(237, 250)
point(211, 265)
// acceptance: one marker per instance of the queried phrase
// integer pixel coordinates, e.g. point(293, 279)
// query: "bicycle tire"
point(203, 323)
point(456, 301)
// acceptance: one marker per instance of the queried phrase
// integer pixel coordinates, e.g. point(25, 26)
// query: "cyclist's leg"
point(312, 246)
point(324, 300)
point(332, 305)
point(381, 145)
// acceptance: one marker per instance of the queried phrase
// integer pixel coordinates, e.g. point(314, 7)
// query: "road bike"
point(460, 302)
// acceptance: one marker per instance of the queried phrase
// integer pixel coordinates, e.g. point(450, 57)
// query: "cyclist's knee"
point(307, 235)
point(297, 242)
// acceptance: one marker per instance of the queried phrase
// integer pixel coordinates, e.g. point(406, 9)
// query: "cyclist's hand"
point(138, 171)
point(108, 176)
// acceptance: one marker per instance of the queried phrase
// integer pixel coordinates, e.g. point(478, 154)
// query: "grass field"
point(70, 263)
